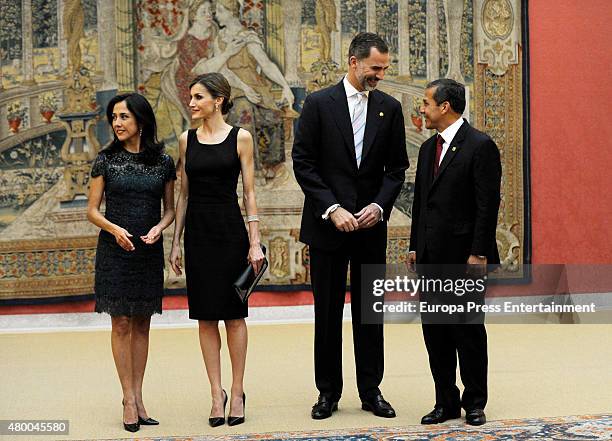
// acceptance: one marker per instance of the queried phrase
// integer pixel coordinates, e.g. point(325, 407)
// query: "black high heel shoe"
point(144, 422)
point(235, 420)
point(147, 422)
point(219, 421)
point(131, 427)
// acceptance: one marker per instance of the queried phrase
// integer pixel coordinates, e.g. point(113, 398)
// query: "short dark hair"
point(218, 86)
point(145, 117)
point(451, 91)
point(362, 44)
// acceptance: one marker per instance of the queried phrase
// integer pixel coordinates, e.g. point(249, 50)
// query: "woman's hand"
point(122, 237)
point(152, 236)
point(176, 260)
point(256, 257)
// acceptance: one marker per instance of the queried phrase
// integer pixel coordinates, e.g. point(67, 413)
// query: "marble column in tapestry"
point(292, 19)
point(108, 61)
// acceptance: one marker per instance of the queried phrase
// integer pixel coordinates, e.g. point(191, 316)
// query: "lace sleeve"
point(170, 169)
point(99, 166)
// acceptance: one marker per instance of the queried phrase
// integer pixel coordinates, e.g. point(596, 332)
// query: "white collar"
point(350, 90)
point(449, 133)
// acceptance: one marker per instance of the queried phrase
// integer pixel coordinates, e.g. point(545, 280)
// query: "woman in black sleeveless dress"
point(217, 246)
point(134, 175)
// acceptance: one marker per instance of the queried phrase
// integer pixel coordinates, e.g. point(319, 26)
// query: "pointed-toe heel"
point(235, 420)
point(219, 421)
point(147, 421)
point(216, 421)
point(131, 427)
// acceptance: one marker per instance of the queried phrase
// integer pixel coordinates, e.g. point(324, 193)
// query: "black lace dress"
point(131, 282)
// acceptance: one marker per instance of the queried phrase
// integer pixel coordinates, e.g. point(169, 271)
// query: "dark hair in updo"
point(218, 86)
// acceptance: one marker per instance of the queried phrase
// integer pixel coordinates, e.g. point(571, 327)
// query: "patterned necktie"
point(439, 143)
point(359, 121)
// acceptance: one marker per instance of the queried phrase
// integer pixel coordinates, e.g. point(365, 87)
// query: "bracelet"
point(253, 218)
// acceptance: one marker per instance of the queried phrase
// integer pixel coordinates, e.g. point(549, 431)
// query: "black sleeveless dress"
point(131, 283)
point(216, 239)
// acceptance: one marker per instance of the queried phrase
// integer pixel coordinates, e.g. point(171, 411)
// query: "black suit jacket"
point(455, 214)
point(326, 168)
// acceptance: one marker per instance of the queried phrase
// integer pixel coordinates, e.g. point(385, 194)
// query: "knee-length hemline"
point(216, 240)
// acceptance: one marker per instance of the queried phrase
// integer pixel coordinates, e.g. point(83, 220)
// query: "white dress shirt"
point(352, 96)
point(448, 135)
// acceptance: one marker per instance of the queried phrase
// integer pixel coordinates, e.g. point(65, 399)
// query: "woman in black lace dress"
point(217, 244)
point(134, 175)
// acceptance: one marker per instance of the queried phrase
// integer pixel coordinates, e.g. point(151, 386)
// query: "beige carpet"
point(535, 370)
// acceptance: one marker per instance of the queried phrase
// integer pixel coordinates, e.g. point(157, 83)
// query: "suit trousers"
point(462, 336)
point(444, 342)
point(328, 271)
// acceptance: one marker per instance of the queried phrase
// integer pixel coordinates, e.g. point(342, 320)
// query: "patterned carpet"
point(574, 428)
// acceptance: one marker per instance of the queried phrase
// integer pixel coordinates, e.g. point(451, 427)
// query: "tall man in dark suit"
point(454, 217)
point(349, 157)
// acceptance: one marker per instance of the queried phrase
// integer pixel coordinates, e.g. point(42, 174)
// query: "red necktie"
point(439, 143)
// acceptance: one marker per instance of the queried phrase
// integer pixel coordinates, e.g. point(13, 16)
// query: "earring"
point(140, 133)
point(216, 107)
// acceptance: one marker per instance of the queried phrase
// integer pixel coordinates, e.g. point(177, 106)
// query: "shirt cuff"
point(329, 211)
point(382, 212)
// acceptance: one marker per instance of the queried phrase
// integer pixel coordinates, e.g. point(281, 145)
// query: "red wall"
point(571, 130)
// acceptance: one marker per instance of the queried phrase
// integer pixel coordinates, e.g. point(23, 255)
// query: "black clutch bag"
point(247, 281)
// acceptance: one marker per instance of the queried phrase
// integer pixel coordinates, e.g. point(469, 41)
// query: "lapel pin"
point(454, 148)
point(381, 114)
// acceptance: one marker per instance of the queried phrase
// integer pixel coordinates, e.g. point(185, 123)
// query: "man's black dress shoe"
point(147, 422)
point(219, 421)
point(475, 417)
point(439, 415)
point(323, 408)
point(378, 406)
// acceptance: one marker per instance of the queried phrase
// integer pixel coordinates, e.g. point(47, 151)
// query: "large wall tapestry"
point(62, 60)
